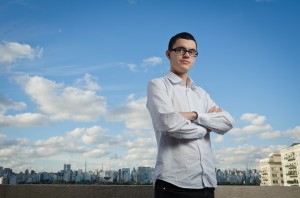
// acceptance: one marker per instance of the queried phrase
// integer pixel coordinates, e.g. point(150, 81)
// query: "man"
point(183, 115)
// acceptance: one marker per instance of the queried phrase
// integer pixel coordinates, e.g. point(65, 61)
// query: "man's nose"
point(187, 54)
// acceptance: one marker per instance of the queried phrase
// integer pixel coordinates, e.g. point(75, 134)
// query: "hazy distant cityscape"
point(139, 175)
point(278, 169)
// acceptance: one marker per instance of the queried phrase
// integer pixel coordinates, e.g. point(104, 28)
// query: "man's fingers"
point(212, 109)
point(218, 110)
point(215, 110)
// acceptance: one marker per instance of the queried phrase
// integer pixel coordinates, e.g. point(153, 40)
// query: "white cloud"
point(18, 120)
point(88, 82)
point(270, 135)
point(56, 145)
point(218, 139)
point(7, 103)
point(243, 155)
point(95, 135)
point(257, 125)
point(255, 119)
point(139, 154)
point(241, 139)
point(141, 149)
point(61, 102)
point(95, 153)
point(22, 120)
point(141, 143)
point(132, 66)
point(134, 114)
point(152, 61)
point(90, 143)
point(145, 65)
point(12, 51)
point(294, 133)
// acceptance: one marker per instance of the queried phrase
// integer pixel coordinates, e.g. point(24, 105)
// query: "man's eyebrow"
point(185, 48)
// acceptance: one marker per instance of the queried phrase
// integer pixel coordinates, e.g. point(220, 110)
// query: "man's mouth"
point(185, 62)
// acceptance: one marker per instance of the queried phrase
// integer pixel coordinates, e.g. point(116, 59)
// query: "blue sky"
point(73, 77)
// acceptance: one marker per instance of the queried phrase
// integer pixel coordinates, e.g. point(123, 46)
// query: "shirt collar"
point(175, 79)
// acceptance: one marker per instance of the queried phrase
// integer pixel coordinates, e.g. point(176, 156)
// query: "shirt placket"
point(189, 99)
point(189, 96)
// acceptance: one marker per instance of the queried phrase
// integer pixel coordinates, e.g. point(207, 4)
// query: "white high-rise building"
point(67, 173)
point(290, 158)
point(271, 170)
point(67, 167)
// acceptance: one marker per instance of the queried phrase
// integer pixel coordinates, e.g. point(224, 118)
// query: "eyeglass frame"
point(185, 51)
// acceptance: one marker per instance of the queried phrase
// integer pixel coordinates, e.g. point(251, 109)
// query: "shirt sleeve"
point(164, 117)
point(220, 122)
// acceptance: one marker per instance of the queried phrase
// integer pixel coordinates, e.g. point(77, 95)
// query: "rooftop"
point(123, 191)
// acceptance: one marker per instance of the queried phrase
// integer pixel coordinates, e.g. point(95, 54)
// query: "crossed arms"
point(184, 125)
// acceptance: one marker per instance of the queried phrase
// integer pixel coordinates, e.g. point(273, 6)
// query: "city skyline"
point(73, 78)
point(136, 175)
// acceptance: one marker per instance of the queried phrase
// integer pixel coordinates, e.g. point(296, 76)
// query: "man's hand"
point(193, 115)
point(215, 109)
point(189, 115)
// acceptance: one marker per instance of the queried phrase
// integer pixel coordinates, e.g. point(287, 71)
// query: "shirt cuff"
point(203, 118)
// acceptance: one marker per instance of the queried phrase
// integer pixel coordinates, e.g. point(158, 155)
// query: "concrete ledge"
point(99, 191)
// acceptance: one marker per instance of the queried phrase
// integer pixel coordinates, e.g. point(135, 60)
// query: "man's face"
point(181, 63)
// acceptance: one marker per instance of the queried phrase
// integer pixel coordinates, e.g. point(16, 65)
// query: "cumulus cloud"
point(152, 61)
point(5, 142)
point(293, 133)
point(78, 144)
point(92, 143)
point(145, 65)
point(88, 82)
point(134, 114)
point(56, 145)
point(218, 139)
point(13, 51)
point(141, 149)
point(22, 120)
point(141, 142)
point(7, 103)
point(61, 102)
point(257, 125)
point(95, 135)
point(270, 135)
point(241, 139)
point(95, 153)
point(243, 155)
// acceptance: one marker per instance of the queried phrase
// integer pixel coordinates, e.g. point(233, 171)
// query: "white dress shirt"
point(184, 156)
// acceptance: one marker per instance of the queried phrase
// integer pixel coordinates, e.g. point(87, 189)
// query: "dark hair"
point(182, 35)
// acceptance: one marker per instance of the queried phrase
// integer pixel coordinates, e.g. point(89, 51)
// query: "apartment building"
point(271, 170)
point(290, 159)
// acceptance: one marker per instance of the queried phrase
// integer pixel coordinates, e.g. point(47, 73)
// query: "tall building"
point(67, 173)
point(290, 158)
point(145, 175)
point(67, 167)
point(271, 170)
point(126, 174)
point(134, 175)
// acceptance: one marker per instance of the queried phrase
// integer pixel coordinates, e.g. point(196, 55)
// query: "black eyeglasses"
point(182, 51)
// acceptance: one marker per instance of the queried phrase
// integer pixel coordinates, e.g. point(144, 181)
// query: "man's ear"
point(168, 54)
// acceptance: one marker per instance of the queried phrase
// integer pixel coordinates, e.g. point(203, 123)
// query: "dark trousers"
point(164, 189)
